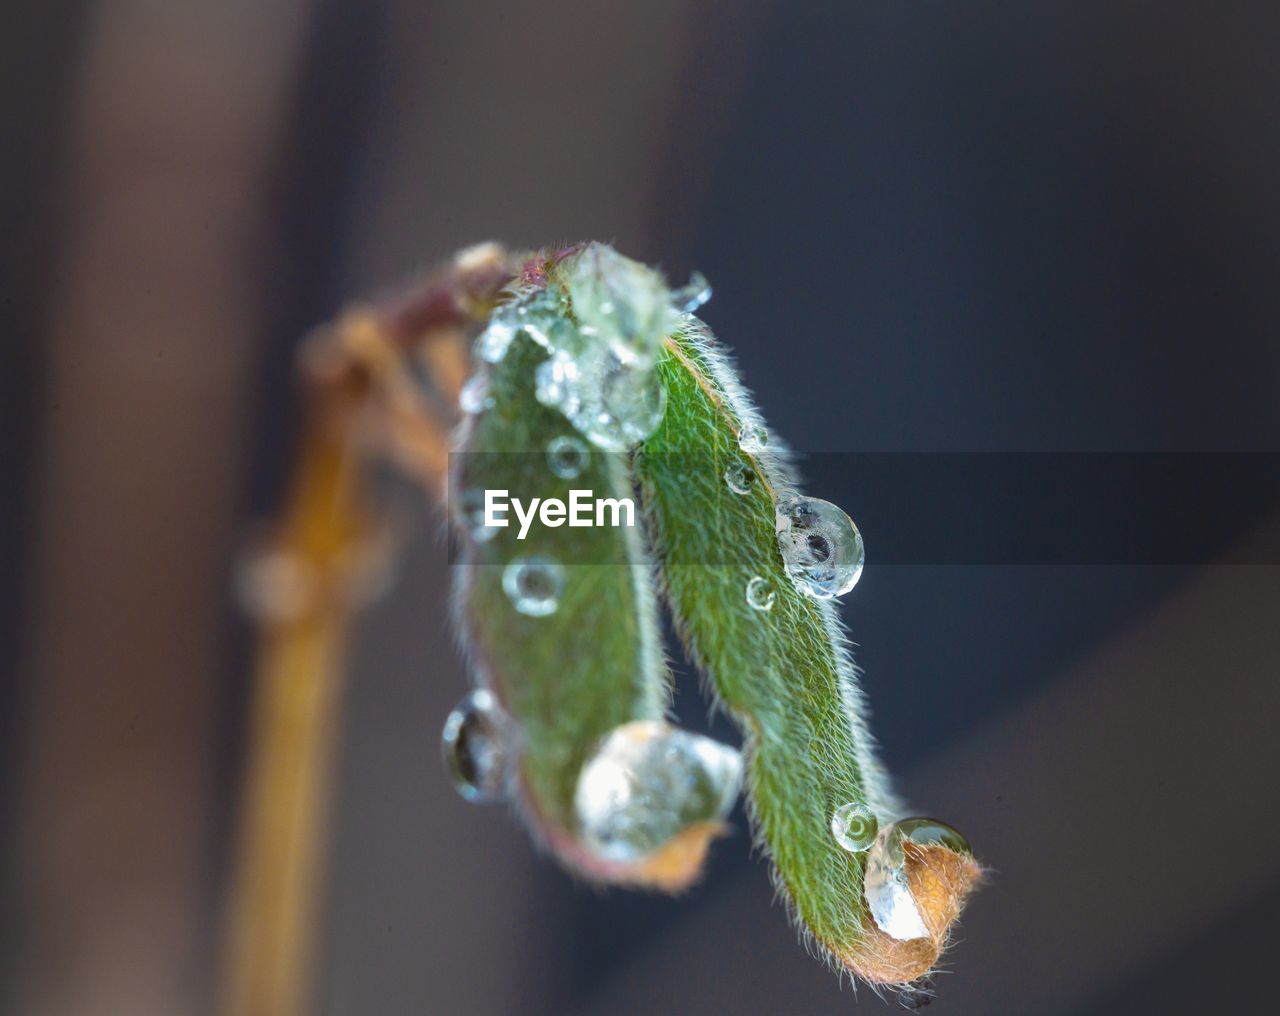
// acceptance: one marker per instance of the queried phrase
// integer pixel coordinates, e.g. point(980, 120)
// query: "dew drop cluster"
point(646, 782)
point(602, 328)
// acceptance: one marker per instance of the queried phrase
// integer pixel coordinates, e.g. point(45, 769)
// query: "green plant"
point(592, 374)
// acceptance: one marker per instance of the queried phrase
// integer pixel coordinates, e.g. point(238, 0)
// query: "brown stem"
point(362, 399)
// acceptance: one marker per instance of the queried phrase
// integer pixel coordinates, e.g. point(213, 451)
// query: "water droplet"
point(621, 304)
point(567, 457)
point(469, 513)
point(821, 547)
point(474, 397)
point(918, 995)
point(538, 313)
point(474, 744)
point(884, 885)
point(646, 782)
point(760, 593)
point(612, 402)
point(556, 384)
point(492, 343)
point(740, 477)
point(753, 439)
point(534, 584)
point(854, 826)
point(692, 295)
point(275, 585)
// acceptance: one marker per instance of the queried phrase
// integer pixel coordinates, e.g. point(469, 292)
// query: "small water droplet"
point(556, 384)
point(760, 593)
point(692, 295)
point(753, 439)
point(274, 584)
point(884, 885)
point(469, 513)
point(646, 782)
point(474, 744)
point(740, 477)
point(534, 584)
point(854, 826)
point(567, 456)
point(918, 995)
point(492, 343)
point(821, 547)
point(474, 397)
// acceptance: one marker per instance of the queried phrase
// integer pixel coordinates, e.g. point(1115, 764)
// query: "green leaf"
point(568, 678)
point(785, 673)
point(595, 355)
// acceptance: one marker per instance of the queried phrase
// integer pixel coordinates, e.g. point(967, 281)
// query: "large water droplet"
point(854, 826)
point(821, 547)
point(692, 295)
point(753, 439)
point(884, 886)
point(474, 397)
point(928, 832)
point(534, 584)
point(613, 402)
point(646, 782)
point(567, 457)
point(760, 593)
point(739, 477)
point(620, 304)
point(475, 748)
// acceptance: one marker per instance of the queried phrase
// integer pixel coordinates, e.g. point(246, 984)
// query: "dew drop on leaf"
point(474, 397)
point(474, 745)
point(646, 782)
point(534, 584)
point(884, 886)
point(567, 457)
point(493, 343)
point(760, 593)
point(469, 513)
point(614, 403)
point(821, 547)
point(753, 439)
point(739, 477)
point(854, 826)
point(692, 295)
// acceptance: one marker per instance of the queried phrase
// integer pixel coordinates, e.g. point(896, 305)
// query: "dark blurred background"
point(960, 227)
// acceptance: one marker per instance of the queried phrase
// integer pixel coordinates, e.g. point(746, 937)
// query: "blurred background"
point(962, 227)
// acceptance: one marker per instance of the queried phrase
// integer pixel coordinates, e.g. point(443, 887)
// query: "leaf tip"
point(940, 880)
